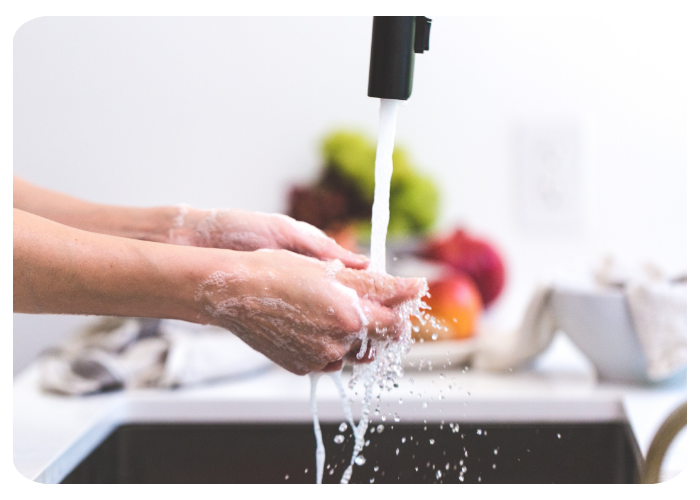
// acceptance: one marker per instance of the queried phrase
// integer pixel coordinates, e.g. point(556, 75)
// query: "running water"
point(383, 168)
point(320, 449)
point(387, 364)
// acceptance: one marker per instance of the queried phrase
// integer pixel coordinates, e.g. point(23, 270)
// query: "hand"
point(304, 314)
point(235, 229)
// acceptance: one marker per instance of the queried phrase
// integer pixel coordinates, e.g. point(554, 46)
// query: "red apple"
point(455, 302)
point(473, 257)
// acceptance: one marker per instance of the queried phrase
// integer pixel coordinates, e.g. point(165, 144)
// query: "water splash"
point(387, 365)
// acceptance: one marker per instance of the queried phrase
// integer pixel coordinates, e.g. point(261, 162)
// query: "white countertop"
point(52, 433)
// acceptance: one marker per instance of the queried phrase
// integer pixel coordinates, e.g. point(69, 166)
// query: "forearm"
point(149, 224)
point(59, 269)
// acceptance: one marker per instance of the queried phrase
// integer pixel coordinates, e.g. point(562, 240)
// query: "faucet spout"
point(395, 40)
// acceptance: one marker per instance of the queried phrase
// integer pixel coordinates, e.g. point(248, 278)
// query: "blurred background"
point(558, 140)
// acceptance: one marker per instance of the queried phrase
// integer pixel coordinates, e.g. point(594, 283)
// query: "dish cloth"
point(658, 307)
point(125, 353)
point(533, 336)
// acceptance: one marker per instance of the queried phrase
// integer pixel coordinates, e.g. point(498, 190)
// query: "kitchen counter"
point(53, 433)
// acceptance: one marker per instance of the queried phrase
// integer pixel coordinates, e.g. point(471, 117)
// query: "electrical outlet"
point(546, 177)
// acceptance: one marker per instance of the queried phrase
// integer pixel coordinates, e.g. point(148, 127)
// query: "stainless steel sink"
point(284, 452)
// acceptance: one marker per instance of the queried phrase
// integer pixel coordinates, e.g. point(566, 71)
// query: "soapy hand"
point(305, 314)
point(235, 229)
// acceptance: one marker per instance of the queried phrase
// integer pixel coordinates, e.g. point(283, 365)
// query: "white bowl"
point(599, 323)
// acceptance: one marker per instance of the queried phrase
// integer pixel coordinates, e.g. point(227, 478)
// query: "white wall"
point(229, 111)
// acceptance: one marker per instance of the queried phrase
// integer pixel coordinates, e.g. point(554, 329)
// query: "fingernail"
point(360, 259)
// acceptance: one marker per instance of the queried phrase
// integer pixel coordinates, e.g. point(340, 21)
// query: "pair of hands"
point(294, 294)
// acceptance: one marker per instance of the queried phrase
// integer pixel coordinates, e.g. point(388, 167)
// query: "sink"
point(598, 452)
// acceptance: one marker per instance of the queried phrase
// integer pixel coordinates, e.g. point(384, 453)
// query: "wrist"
point(156, 224)
point(184, 228)
point(173, 278)
point(223, 279)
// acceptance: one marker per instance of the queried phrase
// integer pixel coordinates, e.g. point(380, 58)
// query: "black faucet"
point(394, 41)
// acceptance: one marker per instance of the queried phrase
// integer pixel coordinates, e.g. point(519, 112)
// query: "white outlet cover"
point(546, 176)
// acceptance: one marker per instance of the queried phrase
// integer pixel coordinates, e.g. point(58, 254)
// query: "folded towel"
point(118, 353)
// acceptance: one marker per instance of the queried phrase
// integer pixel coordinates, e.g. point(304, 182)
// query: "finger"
point(333, 366)
point(350, 259)
point(367, 357)
point(306, 239)
point(325, 248)
point(383, 322)
point(382, 288)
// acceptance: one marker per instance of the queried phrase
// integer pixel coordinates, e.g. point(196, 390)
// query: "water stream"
point(387, 363)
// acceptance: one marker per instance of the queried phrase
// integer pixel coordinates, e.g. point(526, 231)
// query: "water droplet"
point(380, 429)
point(397, 451)
point(383, 418)
point(558, 436)
point(400, 401)
point(478, 432)
point(461, 478)
point(376, 468)
point(432, 441)
point(495, 452)
point(397, 418)
point(447, 466)
point(434, 336)
point(330, 310)
point(360, 460)
point(415, 329)
point(455, 429)
point(493, 466)
point(339, 439)
point(425, 405)
point(306, 471)
point(438, 474)
point(464, 469)
point(371, 481)
point(342, 427)
point(403, 439)
point(286, 477)
point(479, 479)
